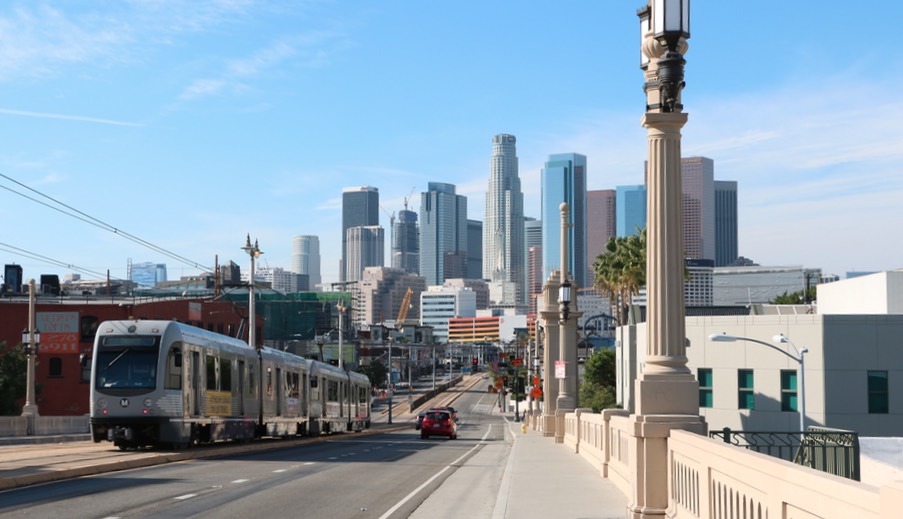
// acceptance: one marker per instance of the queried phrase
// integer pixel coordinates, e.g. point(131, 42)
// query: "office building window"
point(788, 390)
point(705, 387)
point(55, 367)
point(878, 394)
point(746, 395)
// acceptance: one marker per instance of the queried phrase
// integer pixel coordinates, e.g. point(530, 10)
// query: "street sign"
point(560, 369)
point(518, 362)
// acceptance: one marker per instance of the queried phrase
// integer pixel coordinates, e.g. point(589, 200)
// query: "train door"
point(194, 391)
point(279, 386)
point(241, 387)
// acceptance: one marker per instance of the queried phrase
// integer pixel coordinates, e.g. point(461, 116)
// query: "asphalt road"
point(347, 476)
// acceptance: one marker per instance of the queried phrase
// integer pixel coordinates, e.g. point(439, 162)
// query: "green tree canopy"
point(599, 380)
point(620, 271)
point(13, 364)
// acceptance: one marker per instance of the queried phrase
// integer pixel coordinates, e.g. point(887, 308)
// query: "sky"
point(166, 131)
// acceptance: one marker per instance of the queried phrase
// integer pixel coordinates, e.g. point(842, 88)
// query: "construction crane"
point(408, 198)
point(405, 305)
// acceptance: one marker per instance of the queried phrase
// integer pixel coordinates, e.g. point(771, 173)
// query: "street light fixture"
point(799, 358)
point(254, 252)
point(31, 341)
point(564, 300)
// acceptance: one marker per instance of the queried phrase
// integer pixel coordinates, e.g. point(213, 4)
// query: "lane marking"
point(241, 481)
point(277, 471)
point(186, 496)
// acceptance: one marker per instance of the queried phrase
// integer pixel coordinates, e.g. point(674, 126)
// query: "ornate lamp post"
point(667, 392)
point(567, 353)
point(254, 252)
point(31, 341)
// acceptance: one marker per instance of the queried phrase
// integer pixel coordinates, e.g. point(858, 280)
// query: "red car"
point(438, 423)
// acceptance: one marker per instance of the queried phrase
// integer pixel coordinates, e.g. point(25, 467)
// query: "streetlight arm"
point(716, 337)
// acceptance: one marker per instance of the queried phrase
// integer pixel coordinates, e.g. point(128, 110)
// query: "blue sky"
point(191, 124)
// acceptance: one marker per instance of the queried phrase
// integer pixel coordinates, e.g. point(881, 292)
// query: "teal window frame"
point(789, 394)
point(706, 387)
point(878, 392)
point(746, 395)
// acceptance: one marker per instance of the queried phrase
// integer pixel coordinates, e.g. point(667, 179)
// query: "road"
point(348, 476)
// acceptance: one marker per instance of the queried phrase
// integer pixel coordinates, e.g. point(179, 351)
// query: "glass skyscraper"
point(406, 242)
point(360, 208)
point(503, 227)
point(147, 275)
point(630, 207)
point(564, 180)
point(443, 233)
point(306, 258)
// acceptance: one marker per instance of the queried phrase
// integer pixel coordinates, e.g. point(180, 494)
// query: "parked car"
point(438, 423)
point(419, 421)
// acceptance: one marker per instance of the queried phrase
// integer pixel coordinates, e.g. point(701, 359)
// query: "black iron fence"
point(834, 451)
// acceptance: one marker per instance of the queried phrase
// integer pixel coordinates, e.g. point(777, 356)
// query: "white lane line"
point(241, 481)
point(309, 463)
point(186, 496)
point(277, 471)
point(501, 500)
point(427, 482)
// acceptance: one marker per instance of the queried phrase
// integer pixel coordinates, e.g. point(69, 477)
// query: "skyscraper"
point(443, 233)
point(306, 258)
point(726, 241)
point(630, 209)
point(406, 242)
point(147, 275)
point(474, 249)
point(503, 227)
point(600, 224)
point(365, 249)
point(698, 187)
point(360, 208)
point(564, 180)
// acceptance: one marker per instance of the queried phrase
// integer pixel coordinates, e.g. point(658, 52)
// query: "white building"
point(439, 303)
point(744, 286)
point(853, 364)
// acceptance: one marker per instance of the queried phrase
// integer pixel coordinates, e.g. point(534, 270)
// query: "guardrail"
point(43, 425)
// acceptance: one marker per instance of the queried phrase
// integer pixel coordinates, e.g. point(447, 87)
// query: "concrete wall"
point(880, 293)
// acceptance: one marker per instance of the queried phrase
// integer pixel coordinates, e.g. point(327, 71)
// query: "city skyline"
point(190, 126)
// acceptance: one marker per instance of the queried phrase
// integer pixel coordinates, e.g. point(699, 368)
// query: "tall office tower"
point(360, 208)
point(630, 210)
point(365, 249)
point(564, 180)
point(726, 235)
point(147, 275)
point(698, 181)
point(306, 258)
point(532, 234)
point(503, 227)
point(534, 277)
point(443, 233)
point(600, 224)
point(474, 249)
point(406, 242)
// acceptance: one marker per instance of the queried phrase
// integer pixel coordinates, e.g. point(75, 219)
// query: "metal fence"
point(834, 451)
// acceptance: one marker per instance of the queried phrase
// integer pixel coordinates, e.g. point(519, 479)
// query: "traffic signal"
point(505, 381)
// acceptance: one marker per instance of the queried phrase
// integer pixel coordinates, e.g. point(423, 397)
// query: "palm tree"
point(621, 271)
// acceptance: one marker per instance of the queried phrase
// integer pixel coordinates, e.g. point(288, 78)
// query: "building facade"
point(306, 259)
point(381, 294)
point(601, 206)
point(147, 275)
point(406, 242)
point(726, 225)
point(630, 210)
point(698, 189)
point(503, 227)
point(443, 233)
point(474, 249)
point(364, 248)
point(439, 304)
point(360, 208)
point(564, 181)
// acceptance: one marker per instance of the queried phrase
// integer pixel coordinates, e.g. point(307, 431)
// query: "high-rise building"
point(147, 275)
point(381, 292)
point(630, 210)
point(12, 279)
point(360, 208)
point(503, 227)
point(365, 248)
point(283, 280)
point(564, 181)
point(443, 233)
point(306, 259)
point(698, 180)
point(474, 249)
point(440, 303)
point(534, 277)
point(600, 224)
point(726, 234)
point(406, 242)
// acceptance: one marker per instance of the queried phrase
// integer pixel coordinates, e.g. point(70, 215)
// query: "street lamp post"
point(31, 341)
point(567, 385)
point(800, 358)
point(254, 252)
point(341, 308)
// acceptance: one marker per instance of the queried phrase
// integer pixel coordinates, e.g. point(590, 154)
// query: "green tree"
point(599, 380)
point(796, 298)
point(620, 271)
point(377, 373)
point(13, 365)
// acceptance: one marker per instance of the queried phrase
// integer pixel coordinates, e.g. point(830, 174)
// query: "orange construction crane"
point(405, 305)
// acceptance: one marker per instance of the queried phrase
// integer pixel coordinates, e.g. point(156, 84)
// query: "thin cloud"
point(65, 117)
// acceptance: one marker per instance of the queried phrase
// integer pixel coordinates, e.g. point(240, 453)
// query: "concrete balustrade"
point(711, 480)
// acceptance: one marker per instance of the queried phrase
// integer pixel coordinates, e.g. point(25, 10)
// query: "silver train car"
point(167, 384)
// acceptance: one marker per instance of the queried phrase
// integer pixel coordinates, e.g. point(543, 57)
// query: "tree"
point(621, 271)
point(599, 380)
point(13, 365)
point(796, 298)
point(377, 373)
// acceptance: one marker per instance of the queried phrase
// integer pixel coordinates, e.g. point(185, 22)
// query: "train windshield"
point(127, 362)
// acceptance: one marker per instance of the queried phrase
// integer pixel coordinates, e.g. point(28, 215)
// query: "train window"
point(313, 382)
point(293, 386)
point(225, 375)
point(173, 376)
point(211, 372)
point(252, 386)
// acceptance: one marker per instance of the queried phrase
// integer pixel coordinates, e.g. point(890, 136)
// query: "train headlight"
point(102, 403)
point(147, 402)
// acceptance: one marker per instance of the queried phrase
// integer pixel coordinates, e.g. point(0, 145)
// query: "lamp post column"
point(567, 354)
point(254, 252)
point(30, 409)
point(548, 315)
point(667, 393)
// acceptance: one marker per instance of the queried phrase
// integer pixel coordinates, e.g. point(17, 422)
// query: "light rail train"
point(167, 384)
